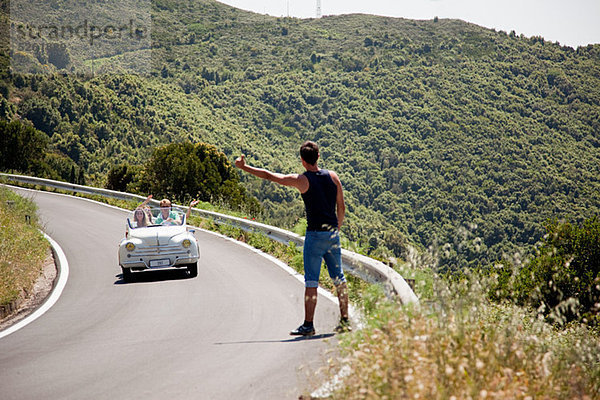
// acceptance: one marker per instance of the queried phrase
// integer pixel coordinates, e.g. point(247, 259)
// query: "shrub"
point(563, 280)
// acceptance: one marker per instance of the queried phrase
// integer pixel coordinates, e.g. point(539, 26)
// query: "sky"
point(570, 22)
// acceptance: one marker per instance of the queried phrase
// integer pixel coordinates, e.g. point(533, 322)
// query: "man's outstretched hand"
point(240, 162)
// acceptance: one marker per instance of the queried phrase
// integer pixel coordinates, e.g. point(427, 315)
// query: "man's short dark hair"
point(309, 151)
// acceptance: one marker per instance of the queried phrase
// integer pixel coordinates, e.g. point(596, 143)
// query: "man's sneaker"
point(303, 331)
point(343, 326)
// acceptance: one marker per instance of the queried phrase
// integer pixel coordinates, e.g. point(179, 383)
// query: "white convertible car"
point(158, 239)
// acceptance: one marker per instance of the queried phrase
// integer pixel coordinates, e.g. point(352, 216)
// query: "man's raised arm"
point(300, 182)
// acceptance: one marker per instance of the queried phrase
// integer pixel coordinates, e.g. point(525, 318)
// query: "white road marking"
point(63, 276)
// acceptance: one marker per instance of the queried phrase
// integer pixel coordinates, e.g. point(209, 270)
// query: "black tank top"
point(319, 201)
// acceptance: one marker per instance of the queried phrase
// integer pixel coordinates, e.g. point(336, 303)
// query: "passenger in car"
point(144, 206)
point(167, 216)
point(140, 218)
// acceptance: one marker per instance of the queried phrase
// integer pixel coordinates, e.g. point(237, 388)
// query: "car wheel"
point(127, 274)
point(193, 270)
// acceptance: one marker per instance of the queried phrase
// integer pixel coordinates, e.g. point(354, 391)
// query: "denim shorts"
point(320, 246)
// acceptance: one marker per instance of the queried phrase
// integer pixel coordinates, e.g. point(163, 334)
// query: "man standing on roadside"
point(323, 198)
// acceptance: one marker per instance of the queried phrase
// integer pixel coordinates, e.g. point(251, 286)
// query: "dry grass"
point(458, 345)
point(22, 247)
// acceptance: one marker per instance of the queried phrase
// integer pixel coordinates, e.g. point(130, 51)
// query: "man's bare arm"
point(294, 180)
point(339, 201)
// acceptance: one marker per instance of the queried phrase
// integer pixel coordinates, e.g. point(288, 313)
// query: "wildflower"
point(546, 363)
point(520, 354)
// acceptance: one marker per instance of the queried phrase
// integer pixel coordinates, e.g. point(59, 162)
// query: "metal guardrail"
point(366, 268)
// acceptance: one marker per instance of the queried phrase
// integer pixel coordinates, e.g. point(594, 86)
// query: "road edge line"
point(62, 267)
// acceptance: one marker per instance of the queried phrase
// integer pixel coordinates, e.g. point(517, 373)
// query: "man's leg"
point(312, 257)
point(342, 294)
point(312, 268)
point(310, 303)
point(333, 260)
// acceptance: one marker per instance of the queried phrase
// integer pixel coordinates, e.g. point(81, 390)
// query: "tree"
point(57, 166)
point(567, 267)
point(43, 116)
point(22, 147)
point(121, 176)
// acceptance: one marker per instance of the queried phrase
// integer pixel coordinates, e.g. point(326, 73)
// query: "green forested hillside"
point(444, 133)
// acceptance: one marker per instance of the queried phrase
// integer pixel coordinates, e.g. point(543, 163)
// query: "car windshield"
point(159, 216)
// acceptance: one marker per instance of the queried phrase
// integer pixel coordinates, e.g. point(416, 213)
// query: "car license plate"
point(160, 263)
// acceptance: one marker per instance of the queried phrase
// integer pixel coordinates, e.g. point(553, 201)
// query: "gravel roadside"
point(29, 302)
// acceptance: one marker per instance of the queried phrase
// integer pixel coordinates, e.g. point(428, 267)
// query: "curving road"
point(222, 335)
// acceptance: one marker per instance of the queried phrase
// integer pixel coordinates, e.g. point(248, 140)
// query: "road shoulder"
point(27, 303)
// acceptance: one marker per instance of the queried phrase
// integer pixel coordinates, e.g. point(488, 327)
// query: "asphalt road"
point(222, 335)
